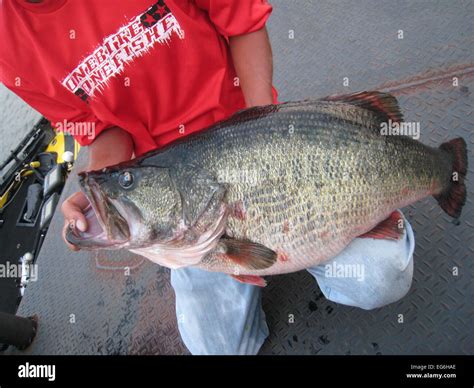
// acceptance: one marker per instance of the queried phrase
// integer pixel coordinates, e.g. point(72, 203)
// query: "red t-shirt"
point(158, 69)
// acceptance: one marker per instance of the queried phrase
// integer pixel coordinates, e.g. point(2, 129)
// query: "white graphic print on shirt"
point(155, 25)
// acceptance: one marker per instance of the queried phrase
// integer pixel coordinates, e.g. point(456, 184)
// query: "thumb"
point(76, 219)
point(72, 209)
point(81, 225)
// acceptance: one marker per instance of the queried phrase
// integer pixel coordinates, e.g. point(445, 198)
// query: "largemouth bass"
point(273, 189)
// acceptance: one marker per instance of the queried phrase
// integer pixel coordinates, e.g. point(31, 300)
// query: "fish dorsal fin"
point(384, 105)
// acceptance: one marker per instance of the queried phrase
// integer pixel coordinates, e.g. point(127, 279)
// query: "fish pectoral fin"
point(391, 228)
point(248, 254)
point(250, 279)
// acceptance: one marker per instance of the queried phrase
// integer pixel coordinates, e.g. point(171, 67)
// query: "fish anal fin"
point(391, 228)
point(250, 279)
point(383, 104)
point(248, 254)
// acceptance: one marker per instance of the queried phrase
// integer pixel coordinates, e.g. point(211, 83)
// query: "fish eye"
point(126, 179)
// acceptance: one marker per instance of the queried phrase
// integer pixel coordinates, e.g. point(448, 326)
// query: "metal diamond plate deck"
point(87, 305)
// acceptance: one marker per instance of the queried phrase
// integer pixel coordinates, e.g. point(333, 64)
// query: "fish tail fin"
point(453, 198)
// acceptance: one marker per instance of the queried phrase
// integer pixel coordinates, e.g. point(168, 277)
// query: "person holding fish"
point(149, 74)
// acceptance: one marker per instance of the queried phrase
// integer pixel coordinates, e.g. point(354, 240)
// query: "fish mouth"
point(107, 226)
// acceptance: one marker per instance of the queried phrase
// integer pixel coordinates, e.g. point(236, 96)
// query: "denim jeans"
point(218, 315)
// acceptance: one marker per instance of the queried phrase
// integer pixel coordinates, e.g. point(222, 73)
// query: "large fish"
point(273, 189)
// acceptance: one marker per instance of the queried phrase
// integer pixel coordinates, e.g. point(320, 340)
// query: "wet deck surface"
point(87, 305)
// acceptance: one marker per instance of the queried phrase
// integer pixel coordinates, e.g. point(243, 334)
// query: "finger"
point(72, 209)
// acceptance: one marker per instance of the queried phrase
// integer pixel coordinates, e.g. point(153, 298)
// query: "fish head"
point(138, 204)
point(130, 206)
